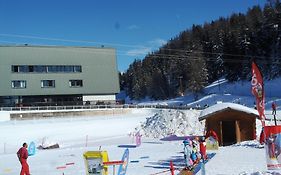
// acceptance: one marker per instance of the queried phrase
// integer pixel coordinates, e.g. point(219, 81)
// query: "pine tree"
point(205, 53)
point(198, 76)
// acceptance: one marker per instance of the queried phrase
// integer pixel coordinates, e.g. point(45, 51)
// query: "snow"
point(113, 130)
point(221, 90)
point(237, 160)
point(223, 106)
point(172, 122)
point(76, 135)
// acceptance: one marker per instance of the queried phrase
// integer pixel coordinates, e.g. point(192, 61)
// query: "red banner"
point(258, 90)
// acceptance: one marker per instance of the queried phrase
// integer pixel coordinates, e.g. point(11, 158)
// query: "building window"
point(76, 83)
point(77, 68)
point(31, 68)
point(47, 83)
point(68, 68)
point(18, 84)
point(46, 68)
point(40, 69)
point(52, 69)
point(24, 68)
point(15, 68)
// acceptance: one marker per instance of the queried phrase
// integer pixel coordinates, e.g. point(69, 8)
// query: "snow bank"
point(172, 122)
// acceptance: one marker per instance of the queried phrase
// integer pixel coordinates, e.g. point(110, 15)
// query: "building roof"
point(225, 106)
point(58, 46)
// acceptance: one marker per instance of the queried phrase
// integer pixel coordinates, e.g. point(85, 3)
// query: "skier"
point(195, 155)
point(274, 106)
point(187, 153)
point(23, 155)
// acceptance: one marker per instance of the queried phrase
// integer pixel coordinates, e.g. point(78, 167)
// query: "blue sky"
point(133, 27)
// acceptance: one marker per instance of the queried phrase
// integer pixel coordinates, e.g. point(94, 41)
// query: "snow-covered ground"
point(75, 135)
point(224, 91)
point(109, 132)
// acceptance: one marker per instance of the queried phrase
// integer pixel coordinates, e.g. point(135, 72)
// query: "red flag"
point(258, 90)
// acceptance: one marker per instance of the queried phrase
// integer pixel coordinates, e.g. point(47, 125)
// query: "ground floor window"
point(18, 84)
point(41, 100)
point(47, 83)
point(76, 83)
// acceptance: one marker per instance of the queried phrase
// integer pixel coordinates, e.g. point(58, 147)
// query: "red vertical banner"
point(258, 90)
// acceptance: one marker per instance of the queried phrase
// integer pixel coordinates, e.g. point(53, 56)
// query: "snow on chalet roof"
point(223, 106)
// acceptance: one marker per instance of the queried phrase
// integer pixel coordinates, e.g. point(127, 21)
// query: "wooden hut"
point(232, 122)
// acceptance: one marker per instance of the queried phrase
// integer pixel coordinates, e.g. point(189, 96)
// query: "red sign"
point(258, 90)
point(273, 147)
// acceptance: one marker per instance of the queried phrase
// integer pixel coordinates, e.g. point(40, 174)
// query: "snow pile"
point(172, 122)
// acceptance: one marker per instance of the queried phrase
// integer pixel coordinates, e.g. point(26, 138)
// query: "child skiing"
point(187, 149)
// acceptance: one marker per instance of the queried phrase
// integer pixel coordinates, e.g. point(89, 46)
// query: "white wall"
point(99, 97)
point(4, 116)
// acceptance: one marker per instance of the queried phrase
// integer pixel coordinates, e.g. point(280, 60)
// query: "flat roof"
point(59, 46)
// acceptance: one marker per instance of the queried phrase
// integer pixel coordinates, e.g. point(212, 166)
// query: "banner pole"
point(275, 119)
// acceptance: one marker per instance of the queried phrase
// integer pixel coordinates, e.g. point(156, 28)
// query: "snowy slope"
point(224, 91)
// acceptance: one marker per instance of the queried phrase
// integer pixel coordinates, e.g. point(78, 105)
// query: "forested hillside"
point(204, 53)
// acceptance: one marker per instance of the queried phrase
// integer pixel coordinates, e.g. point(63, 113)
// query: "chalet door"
point(228, 133)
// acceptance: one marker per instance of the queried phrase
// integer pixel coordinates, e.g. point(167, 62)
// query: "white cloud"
point(151, 45)
point(139, 52)
point(133, 27)
point(157, 42)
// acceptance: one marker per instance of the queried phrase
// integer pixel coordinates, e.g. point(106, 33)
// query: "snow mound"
point(172, 122)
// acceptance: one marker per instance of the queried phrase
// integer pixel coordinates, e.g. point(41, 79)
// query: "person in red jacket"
point(23, 155)
point(274, 106)
point(203, 148)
